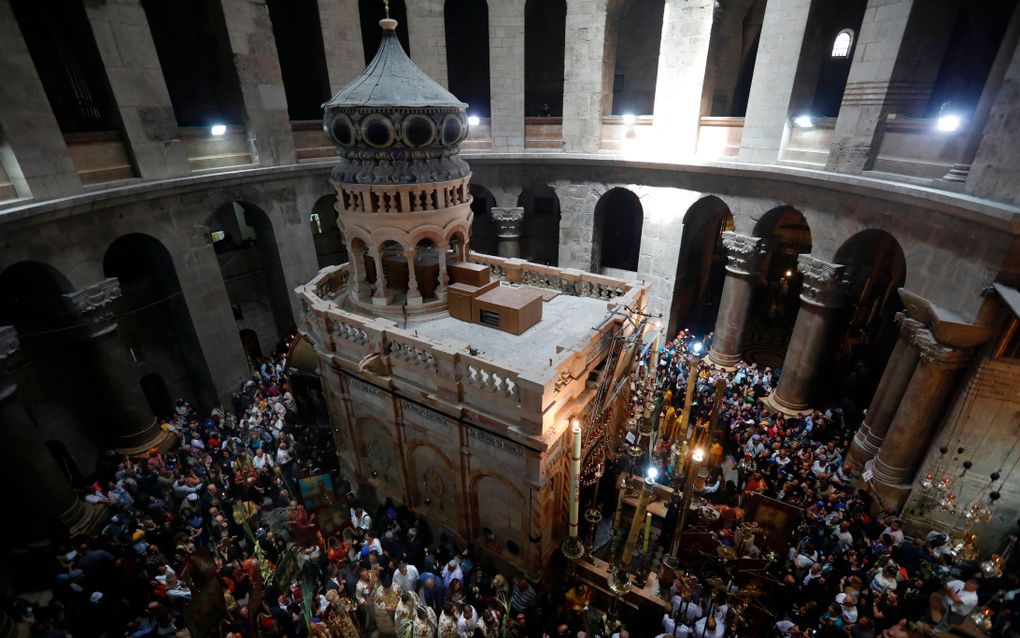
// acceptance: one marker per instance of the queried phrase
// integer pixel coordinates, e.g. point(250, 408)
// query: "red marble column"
point(743, 255)
point(888, 395)
point(821, 292)
point(928, 393)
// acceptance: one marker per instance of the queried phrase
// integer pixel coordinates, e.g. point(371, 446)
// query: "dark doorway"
point(467, 53)
point(483, 228)
point(619, 218)
point(157, 394)
point(65, 462)
point(545, 27)
point(701, 267)
point(540, 229)
point(250, 343)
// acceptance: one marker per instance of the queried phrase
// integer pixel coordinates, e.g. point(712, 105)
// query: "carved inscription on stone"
point(496, 442)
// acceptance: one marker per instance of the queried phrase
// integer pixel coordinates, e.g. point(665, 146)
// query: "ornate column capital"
point(743, 253)
point(508, 222)
point(908, 326)
point(821, 282)
point(94, 302)
point(940, 354)
point(9, 342)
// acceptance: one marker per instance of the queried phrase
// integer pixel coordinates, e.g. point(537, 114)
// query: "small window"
point(841, 45)
point(217, 235)
point(316, 224)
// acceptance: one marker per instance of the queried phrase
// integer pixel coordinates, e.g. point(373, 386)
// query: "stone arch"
point(379, 456)
point(159, 331)
point(545, 27)
point(864, 331)
point(457, 244)
point(616, 234)
point(483, 227)
point(501, 508)
point(434, 487)
point(467, 53)
point(701, 267)
point(540, 228)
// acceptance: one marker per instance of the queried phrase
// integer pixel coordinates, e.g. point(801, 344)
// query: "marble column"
point(136, 80)
point(131, 426)
point(413, 294)
point(508, 230)
point(38, 489)
point(381, 296)
point(584, 78)
point(888, 395)
point(253, 45)
point(357, 265)
point(506, 73)
point(444, 279)
point(821, 291)
point(906, 443)
point(767, 124)
point(33, 151)
point(743, 258)
point(683, 57)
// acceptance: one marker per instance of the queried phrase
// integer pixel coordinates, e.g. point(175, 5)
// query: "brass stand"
point(594, 517)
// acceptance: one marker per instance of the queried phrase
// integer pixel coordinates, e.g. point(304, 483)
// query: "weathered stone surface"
point(341, 41)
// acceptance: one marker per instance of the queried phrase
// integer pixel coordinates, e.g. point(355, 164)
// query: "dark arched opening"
point(372, 11)
point(329, 242)
point(634, 30)
point(467, 53)
point(701, 268)
point(484, 237)
point(776, 297)
point(545, 27)
point(250, 344)
point(48, 366)
point(540, 228)
point(619, 218)
point(249, 261)
point(157, 325)
point(865, 330)
point(298, 36)
point(732, 53)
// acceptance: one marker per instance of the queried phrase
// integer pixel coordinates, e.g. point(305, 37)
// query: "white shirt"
point(409, 581)
point(466, 626)
point(968, 599)
point(361, 522)
point(849, 613)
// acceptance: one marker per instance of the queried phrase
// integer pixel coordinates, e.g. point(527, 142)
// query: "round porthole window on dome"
point(453, 130)
point(377, 131)
point(342, 130)
point(418, 130)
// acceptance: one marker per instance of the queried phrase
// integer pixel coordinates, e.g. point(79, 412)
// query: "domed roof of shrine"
point(393, 124)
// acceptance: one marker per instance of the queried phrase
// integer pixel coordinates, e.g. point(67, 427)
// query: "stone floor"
point(566, 319)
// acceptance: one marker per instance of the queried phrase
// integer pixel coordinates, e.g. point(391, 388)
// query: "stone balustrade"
point(402, 198)
point(523, 399)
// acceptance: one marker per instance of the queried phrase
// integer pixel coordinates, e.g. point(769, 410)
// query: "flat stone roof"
point(566, 320)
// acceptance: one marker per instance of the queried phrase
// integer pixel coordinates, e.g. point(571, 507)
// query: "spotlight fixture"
point(629, 119)
point(653, 473)
point(697, 347)
point(804, 121)
point(474, 120)
point(789, 273)
point(218, 129)
point(948, 123)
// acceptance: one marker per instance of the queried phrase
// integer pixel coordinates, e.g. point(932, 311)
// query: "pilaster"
point(583, 77)
point(341, 41)
point(426, 34)
point(506, 72)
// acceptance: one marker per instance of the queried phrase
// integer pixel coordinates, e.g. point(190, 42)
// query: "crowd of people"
point(226, 503)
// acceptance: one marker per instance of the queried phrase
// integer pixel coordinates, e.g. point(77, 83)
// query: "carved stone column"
point(413, 294)
point(821, 291)
point(900, 367)
point(131, 427)
point(508, 223)
point(444, 279)
point(929, 391)
point(743, 258)
point(41, 494)
point(357, 265)
point(381, 297)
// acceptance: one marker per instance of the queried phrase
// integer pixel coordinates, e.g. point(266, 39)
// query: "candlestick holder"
point(594, 517)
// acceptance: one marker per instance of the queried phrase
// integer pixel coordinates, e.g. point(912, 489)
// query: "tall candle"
point(575, 477)
point(648, 533)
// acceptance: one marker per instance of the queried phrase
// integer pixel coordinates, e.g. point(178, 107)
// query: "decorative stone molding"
point(908, 326)
point(508, 222)
point(939, 354)
point(94, 297)
point(743, 253)
point(822, 282)
point(8, 341)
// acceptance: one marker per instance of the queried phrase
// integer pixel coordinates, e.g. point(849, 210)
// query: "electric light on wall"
point(474, 120)
point(629, 119)
point(218, 129)
point(948, 123)
point(804, 121)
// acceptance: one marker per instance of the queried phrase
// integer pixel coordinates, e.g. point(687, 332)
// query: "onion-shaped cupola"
point(394, 125)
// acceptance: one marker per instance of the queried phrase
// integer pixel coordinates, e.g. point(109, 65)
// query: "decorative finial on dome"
point(387, 23)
